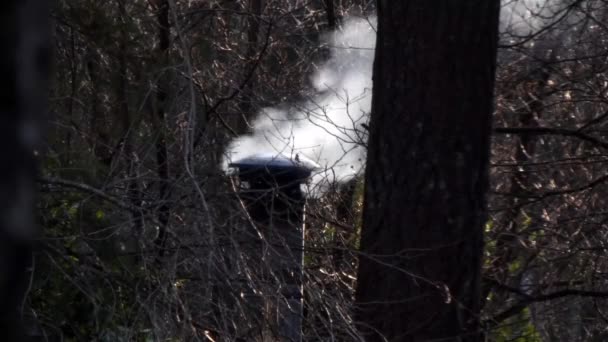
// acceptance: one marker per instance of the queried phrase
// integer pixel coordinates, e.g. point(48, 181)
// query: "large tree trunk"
point(23, 71)
point(427, 170)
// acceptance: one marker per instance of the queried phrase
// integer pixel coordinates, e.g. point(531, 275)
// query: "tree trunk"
point(427, 171)
point(330, 13)
point(23, 69)
point(128, 126)
point(162, 162)
point(247, 95)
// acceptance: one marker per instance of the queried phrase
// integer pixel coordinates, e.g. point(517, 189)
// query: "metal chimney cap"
point(280, 168)
point(276, 162)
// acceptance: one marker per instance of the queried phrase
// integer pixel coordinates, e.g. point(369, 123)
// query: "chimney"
point(271, 191)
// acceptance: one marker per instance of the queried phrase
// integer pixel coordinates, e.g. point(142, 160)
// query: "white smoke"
point(329, 127)
point(521, 18)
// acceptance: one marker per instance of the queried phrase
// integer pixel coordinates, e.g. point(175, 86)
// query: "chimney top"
point(293, 169)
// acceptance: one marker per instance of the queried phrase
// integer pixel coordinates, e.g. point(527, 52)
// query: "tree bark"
point(427, 171)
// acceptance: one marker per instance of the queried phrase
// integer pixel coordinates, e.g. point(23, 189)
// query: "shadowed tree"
point(23, 69)
point(427, 171)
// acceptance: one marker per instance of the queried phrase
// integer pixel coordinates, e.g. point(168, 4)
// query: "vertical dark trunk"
point(344, 206)
point(161, 140)
point(73, 77)
point(246, 106)
point(23, 71)
point(330, 13)
point(121, 96)
point(427, 171)
point(99, 137)
point(253, 32)
point(127, 127)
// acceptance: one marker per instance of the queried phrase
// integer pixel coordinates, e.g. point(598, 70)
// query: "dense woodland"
point(145, 236)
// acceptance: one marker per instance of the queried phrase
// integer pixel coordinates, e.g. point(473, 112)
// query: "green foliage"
point(519, 328)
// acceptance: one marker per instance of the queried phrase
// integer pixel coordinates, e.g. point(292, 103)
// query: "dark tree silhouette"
point(427, 171)
point(23, 69)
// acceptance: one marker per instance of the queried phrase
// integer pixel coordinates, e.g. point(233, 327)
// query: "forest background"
point(143, 227)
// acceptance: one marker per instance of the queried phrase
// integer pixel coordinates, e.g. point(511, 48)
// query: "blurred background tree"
point(24, 73)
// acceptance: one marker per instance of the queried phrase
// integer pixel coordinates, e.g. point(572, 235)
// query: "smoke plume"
point(329, 128)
